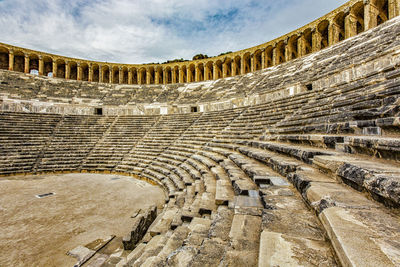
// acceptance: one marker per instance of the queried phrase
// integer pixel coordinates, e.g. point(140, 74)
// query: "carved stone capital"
point(286, 41)
point(346, 11)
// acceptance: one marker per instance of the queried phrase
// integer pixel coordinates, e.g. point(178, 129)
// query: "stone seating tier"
point(248, 178)
point(234, 178)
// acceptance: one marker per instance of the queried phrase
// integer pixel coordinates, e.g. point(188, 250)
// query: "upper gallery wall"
point(344, 22)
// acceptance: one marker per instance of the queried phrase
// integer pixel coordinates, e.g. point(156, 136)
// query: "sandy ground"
point(85, 207)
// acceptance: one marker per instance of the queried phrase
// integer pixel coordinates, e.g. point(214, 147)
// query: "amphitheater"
point(283, 154)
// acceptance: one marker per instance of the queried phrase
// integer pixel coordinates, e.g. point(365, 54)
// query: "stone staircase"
point(121, 137)
point(71, 143)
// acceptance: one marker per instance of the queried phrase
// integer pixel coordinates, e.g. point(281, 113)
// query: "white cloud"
point(143, 31)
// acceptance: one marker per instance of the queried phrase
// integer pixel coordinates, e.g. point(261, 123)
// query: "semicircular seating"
point(303, 179)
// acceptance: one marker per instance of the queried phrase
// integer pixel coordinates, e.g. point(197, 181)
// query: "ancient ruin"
point(283, 154)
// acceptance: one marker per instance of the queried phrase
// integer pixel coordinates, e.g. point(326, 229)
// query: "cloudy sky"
point(143, 31)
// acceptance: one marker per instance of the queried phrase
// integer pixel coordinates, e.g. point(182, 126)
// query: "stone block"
point(245, 232)
point(162, 224)
point(224, 192)
point(243, 186)
point(325, 195)
point(372, 131)
point(359, 238)
point(277, 249)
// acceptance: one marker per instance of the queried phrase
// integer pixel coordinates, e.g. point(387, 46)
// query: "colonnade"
point(345, 22)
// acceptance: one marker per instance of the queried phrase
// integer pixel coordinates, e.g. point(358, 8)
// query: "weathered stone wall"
point(139, 228)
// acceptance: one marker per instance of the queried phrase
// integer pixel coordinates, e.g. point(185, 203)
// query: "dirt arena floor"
point(39, 231)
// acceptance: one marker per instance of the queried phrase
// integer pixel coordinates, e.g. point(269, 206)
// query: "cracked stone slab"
point(277, 249)
point(363, 237)
point(82, 254)
point(324, 195)
point(224, 192)
point(380, 179)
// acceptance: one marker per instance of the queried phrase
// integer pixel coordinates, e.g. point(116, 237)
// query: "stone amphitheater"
point(284, 154)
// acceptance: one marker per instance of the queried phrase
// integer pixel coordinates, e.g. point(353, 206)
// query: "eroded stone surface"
point(381, 179)
point(282, 250)
point(358, 234)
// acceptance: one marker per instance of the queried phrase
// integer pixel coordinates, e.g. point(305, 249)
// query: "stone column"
point(333, 33)
point(139, 77)
point(173, 75)
point(55, 68)
point(275, 56)
point(121, 76)
point(165, 76)
point(101, 73)
point(130, 77)
point(90, 78)
point(188, 77)
point(162, 76)
point(224, 70)
point(110, 75)
point(263, 59)
point(193, 76)
point(394, 8)
point(316, 40)
point(148, 76)
point(214, 72)
point(175, 78)
point(370, 14)
point(301, 45)
point(180, 75)
point(156, 77)
point(41, 65)
point(11, 60)
point(288, 51)
point(26, 66)
point(196, 73)
point(350, 25)
point(234, 67)
point(67, 70)
point(79, 71)
point(252, 63)
point(206, 73)
point(242, 66)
